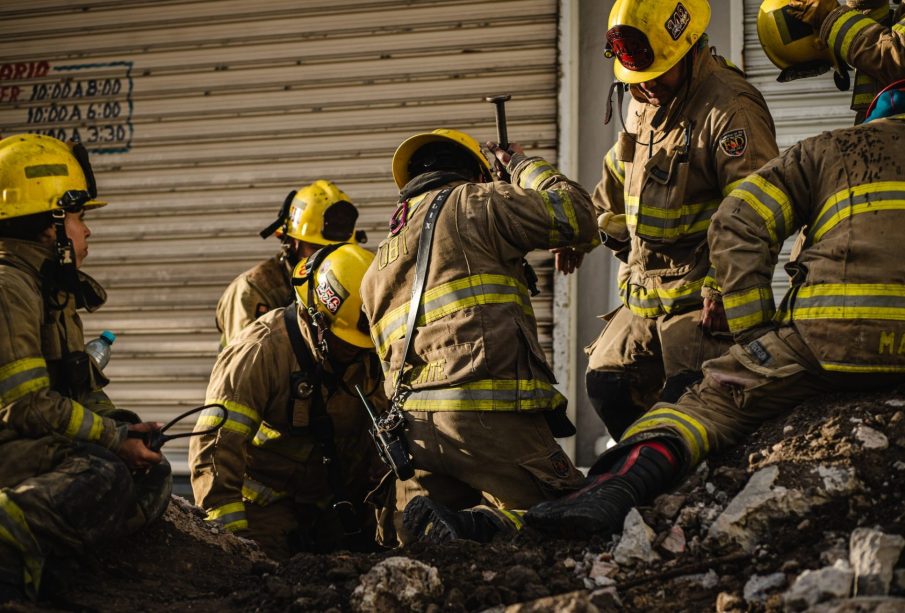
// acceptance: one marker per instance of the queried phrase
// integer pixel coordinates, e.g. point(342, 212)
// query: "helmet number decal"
point(734, 143)
point(330, 292)
point(678, 22)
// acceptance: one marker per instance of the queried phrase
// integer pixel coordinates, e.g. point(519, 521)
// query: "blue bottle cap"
point(108, 336)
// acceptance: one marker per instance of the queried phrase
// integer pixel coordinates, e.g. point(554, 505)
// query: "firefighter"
point(695, 129)
point(841, 326)
point(864, 34)
point(476, 392)
point(70, 474)
point(291, 466)
point(313, 216)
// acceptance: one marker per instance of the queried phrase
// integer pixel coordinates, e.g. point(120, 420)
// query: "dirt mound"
point(744, 533)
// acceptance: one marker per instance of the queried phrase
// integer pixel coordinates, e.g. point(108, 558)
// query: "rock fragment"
point(815, 586)
point(635, 545)
point(397, 584)
point(873, 556)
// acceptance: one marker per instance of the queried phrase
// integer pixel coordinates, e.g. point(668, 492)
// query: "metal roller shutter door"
point(800, 109)
point(202, 115)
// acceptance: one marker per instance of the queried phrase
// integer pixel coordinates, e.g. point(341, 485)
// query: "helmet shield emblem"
point(630, 46)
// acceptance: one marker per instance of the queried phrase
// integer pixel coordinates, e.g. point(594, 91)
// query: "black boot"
point(644, 471)
point(429, 521)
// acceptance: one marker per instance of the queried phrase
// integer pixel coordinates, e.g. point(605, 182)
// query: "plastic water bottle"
point(99, 348)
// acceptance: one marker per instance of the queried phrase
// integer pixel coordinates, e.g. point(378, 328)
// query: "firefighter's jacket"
point(265, 451)
point(669, 181)
point(872, 42)
point(847, 189)
point(476, 346)
point(48, 385)
point(256, 291)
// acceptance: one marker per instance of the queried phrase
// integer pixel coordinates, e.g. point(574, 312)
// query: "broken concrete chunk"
point(814, 586)
point(635, 544)
point(761, 499)
point(838, 480)
point(675, 541)
point(873, 556)
point(759, 587)
point(668, 505)
point(870, 438)
point(397, 584)
point(875, 604)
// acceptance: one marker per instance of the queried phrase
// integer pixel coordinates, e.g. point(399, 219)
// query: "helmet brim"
point(409, 146)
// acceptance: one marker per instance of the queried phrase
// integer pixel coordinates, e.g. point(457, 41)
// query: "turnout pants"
point(463, 459)
point(637, 361)
point(85, 494)
point(749, 385)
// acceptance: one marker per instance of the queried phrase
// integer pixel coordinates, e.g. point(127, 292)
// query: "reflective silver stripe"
point(488, 395)
point(774, 206)
point(257, 492)
point(538, 171)
point(831, 211)
point(562, 222)
point(842, 302)
point(838, 36)
point(13, 381)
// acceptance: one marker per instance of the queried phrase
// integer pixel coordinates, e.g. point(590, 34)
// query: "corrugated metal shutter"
point(800, 109)
point(202, 115)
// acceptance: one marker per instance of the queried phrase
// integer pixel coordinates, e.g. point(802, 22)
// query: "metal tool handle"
point(501, 131)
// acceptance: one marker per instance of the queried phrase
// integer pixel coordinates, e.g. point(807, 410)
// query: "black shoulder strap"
point(320, 424)
point(302, 354)
point(422, 262)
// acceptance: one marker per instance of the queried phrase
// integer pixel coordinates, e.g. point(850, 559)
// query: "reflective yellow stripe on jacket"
point(22, 377)
point(770, 203)
point(849, 301)
point(749, 308)
point(867, 198)
point(487, 395)
point(260, 494)
point(239, 418)
point(563, 222)
point(659, 223)
point(656, 301)
point(617, 167)
point(231, 516)
point(449, 298)
point(692, 432)
point(844, 31)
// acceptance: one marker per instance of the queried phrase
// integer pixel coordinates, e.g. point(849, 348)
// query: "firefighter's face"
point(663, 89)
point(78, 231)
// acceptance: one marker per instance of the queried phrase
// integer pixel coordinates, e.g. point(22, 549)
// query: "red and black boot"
point(642, 472)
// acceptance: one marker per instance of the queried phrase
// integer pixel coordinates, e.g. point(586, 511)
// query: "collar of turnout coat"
point(38, 259)
point(428, 181)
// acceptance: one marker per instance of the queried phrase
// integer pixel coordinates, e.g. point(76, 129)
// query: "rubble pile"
point(808, 514)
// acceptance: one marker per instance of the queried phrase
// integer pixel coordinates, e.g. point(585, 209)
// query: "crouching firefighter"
point(312, 216)
point(847, 283)
point(70, 473)
point(292, 465)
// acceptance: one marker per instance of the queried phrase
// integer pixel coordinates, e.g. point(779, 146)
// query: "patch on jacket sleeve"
point(734, 143)
point(560, 464)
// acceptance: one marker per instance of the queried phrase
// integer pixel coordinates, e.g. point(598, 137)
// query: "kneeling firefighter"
point(311, 217)
point(70, 473)
point(293, 463)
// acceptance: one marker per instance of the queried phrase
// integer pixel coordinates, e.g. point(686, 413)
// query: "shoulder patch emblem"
point(560, 464)
point(734, 143)
point(678, 22)
point(261, 309)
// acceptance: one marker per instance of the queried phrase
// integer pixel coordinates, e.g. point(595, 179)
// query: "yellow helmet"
point(649, 37)
point(402, 174)
point(322, 214)
point(787, 41)
point(39, 174)
point(336, 271)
